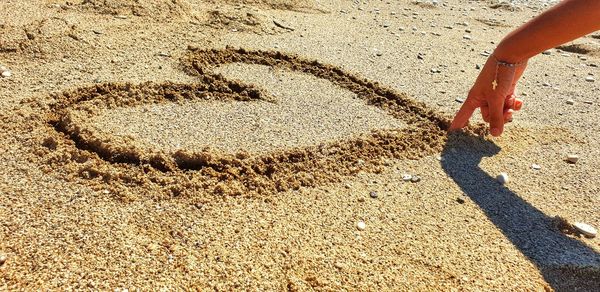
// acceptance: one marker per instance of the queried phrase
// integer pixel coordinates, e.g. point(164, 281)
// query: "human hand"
point(497, 102)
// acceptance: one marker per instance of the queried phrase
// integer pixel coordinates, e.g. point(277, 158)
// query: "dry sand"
point(302, 110)
point(126, 163)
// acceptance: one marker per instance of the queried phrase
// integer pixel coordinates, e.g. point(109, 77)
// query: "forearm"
point(562, 23)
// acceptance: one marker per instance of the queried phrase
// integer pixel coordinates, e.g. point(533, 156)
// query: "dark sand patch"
point(152, 8)
point(589, 48)
point(291, 5)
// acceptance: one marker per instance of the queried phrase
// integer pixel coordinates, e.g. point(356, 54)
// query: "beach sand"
point(235, 145)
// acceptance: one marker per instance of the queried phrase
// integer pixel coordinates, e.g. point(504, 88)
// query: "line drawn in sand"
point(121, 162)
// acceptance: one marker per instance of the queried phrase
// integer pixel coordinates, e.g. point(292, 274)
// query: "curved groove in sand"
point(243, 173)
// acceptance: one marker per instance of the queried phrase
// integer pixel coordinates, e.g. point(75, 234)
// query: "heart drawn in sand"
point(297, 123)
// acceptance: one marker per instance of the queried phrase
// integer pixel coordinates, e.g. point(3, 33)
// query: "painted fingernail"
point(518, 104)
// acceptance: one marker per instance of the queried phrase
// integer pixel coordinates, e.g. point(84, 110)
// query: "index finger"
point(463, 115)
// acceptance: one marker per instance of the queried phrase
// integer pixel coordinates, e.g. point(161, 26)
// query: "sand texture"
point(302, 110)
point(236, 145)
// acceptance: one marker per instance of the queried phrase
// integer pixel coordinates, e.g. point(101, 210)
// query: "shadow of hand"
point(566, 263)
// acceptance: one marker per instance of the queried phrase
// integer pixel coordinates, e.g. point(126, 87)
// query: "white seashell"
point(586, 229)
point(502, 178)
point(361, 225)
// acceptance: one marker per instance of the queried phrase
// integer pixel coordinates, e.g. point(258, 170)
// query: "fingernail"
point(518, 104)
point(496, 132)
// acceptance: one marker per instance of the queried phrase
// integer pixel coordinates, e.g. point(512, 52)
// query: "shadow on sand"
point(566, 263)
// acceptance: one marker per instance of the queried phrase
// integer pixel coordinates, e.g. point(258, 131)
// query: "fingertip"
point(455, 126)
point(496, 132)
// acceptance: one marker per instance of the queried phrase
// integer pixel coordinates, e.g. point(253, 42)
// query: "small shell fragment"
point(572, 158)
point(536, 166)
point(585, 229)
point(6, 74)
point(502, 178)
point(361, 225)
point(406, 177)
point(373, 195)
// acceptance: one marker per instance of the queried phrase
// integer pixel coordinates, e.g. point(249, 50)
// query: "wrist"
point(506, 53)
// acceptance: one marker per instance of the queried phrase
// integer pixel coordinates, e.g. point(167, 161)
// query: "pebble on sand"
point(3, 259)
point(589, 78)
point(373, 195)
point(536, 166)
point(361, 225)
point(415, 179)
point(572, 158)
point(6, 73)
point(502, 178)
point(406, 177)
point(570, 102)
point(585, 229)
